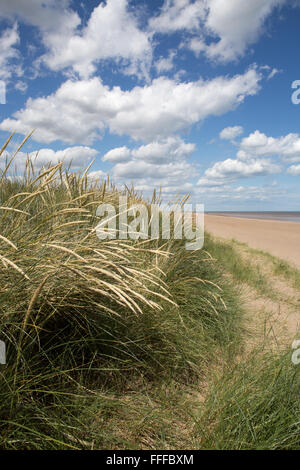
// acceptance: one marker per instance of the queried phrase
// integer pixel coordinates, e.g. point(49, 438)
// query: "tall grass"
point(85, 320)
point(254, 404)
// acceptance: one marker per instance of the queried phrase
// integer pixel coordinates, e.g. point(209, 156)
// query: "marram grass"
point(114, 344)
point(84, 318)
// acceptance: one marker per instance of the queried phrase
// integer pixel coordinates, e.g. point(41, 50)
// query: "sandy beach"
point(281, 239)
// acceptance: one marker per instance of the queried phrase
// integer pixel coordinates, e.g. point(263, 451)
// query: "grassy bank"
point(254, 404)
point(85, 320)
point(123, 343)
point(254, 401)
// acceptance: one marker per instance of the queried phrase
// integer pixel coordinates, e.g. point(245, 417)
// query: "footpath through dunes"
point(281, 239)
point(251, 400)
point(269, 287)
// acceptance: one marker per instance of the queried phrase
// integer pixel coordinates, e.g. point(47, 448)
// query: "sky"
point(186, 96)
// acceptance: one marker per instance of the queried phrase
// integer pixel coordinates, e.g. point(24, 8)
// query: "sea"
point(283, 216)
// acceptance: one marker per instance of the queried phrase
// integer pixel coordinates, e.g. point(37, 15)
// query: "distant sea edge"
point(286, 216)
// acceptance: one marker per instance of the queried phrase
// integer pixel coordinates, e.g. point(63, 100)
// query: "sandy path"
point(281, 239)
point(277, 309)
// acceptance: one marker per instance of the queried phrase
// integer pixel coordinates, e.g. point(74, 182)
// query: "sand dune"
point(280, 239)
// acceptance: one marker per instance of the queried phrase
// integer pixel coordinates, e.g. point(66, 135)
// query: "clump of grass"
point(84, 319)
point(254, 404)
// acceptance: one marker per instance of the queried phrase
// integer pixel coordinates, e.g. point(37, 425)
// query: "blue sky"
point(193, 96)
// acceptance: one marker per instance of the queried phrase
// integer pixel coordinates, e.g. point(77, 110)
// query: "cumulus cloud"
point(158, 164)
point(222, 30)
point(231, 133)
point(21, 86)
point(294, 170)
point(165, 64)
point(141, 169)
point(80, 111)
point(48, 15)
point(53, 18)
point(78, 157)
point(258, 144)
point(171, 178)
point(178, 15)
point(96, 175)
point(237, 24)
point(158, 152)
point(253, 158)
point(231, 170)
point(234, 195)
point(117, 155)
point(112, 32)
point(9, 39)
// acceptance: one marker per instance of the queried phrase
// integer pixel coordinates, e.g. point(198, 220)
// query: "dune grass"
point(115, 344)
point(253, 405)
point(85, 320)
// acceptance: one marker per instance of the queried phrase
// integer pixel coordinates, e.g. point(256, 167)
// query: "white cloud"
point(253, 158)
point(48, 15)
point(294, 170)
point(178, 15)
point(54, 19)
point(111, 32)
point(21, 86)
point(196, 45)
point(258, 144)
point(141, 169)
point(80, 111)
point(79, 157)
point(96, 175)
point(159, 152)
point(224, 29)
point(231, 133)
point(158, 164)
point(273, 73)
point(8, 52)
point(117, 155)
point(73, 113)
point(171, 178)
point(226, 194)
point(237, 23)
point(230, 170)
point(165, 64)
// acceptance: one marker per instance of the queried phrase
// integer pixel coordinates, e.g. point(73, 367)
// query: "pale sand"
point(281, 239)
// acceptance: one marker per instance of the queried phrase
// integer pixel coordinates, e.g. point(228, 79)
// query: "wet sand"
point(281, 239)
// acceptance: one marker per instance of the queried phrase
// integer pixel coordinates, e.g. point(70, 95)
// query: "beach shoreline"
point(293, 217)
point(277, 237)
